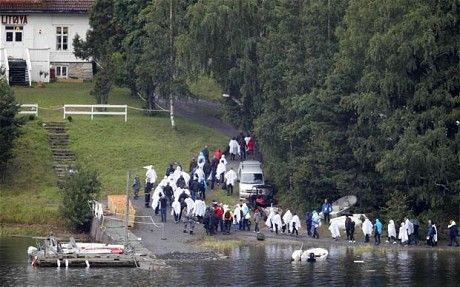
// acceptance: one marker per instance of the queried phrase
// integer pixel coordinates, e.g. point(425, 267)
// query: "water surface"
point(265, 265)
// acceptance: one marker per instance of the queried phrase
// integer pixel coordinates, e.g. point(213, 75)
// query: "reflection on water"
point(267, 264)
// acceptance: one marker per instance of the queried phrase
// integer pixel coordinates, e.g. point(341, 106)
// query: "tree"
point(221, 41)
point(79, 190)
point(9, 124)
point(101, 41)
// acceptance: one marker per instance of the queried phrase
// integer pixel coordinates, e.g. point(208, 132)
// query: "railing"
point(29, 66)
point(33, 109)
point(95, 110)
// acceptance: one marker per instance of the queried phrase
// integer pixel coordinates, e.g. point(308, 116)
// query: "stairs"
point(18, 72)
point(63, 157)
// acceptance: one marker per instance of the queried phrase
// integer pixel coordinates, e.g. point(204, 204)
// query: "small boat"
point(314, 254)
point(309, 255)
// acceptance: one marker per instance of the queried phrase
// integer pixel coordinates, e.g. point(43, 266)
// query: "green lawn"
point(106, 144)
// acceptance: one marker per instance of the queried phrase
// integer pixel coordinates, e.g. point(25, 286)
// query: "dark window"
point(18, 36)
point(9, 36)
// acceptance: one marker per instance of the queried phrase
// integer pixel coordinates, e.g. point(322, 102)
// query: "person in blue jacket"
point(378, 227)
point(326, 208)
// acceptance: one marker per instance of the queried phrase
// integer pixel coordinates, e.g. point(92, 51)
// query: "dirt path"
point(205, 113)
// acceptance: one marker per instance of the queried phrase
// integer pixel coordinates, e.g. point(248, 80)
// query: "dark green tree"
point(79, 190)
point(10, 125)
point(101, 41)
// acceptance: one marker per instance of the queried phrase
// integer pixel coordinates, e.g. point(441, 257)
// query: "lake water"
point(264, 265)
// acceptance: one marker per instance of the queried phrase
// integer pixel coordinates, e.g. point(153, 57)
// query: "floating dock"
point(120, 260)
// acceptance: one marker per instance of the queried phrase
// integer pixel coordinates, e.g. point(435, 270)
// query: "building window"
point(14, 33)
point(61, 71)
point(62, 38)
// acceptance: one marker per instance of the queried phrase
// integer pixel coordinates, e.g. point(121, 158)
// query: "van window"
point(252, 178)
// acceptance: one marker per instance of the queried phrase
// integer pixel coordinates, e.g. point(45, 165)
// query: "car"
point(250, 174)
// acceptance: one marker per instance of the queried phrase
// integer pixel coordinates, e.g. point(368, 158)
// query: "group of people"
point(241, 146)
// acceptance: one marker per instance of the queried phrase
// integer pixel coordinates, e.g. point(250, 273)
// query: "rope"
point(148, 110)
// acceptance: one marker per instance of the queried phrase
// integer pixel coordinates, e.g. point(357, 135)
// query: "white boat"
point(53, 246)
point(311, 254)
point(314, 254)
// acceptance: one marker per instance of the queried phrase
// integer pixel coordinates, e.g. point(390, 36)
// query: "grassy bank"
point(106, 144)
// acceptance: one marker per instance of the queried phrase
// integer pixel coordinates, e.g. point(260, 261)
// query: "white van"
point(249, 174)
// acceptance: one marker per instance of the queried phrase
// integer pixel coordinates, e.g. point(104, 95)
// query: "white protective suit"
point(334, 229)
point(287, 217)
point(177, 173)
point(391, 229)
point(175, 207)
point(237, 214)
point(271, 213)
point(190, 205)
point(200, 174)
point(403, 233)
point(221, 168)
point(233, 147)
point(150, 175)
point(277, 220)
point(156, 196)
point(409, 227)
point(200, 207)
point(295, 219)
point(222, 158)
point(435, 237)
point(367, 227)
point(230, 177)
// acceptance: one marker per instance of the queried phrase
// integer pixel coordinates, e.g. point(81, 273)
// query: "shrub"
point(80, 188)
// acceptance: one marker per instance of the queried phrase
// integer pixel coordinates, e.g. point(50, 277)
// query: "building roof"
point(46, 6)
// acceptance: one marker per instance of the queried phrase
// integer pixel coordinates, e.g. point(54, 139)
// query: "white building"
point(36, 39)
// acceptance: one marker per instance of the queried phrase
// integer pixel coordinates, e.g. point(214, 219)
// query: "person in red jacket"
point(217, 154)
point(251, 145)
point(219, 212)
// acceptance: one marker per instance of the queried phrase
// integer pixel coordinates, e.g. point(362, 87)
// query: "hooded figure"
point(367, 229)
point(220, 171)
point(199, 209)
point(190, 205)
point(233, 148)
point(177, 173)
point(175, 211)
point(453, 233)
point(277, 221)
point(269, 222)
point(294, 224)
point(287, 217)
point(200, 174)
point(334, 229)
point(201, 160)
point(410, 230)
point(150, 175)
point(391, 232)
point(378, 228)
point(403, 234)
point(315, 221)
point(222, 158)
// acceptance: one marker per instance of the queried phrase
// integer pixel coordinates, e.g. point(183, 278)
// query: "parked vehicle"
point(250, 174)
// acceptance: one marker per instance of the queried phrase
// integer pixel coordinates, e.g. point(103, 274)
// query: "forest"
point(344, 96)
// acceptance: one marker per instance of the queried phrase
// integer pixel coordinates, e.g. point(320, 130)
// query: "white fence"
point(30, 109)
point(95, 110)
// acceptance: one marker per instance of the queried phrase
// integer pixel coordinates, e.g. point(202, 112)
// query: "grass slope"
point(106, 144)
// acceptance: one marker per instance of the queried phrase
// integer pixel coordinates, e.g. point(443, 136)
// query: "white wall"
point(40, 33)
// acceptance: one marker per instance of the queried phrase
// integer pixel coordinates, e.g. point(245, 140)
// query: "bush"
point(80, 188)
point(70, 119)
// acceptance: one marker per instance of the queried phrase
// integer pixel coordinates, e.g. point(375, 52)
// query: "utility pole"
point(173, 70)
point(127, 211)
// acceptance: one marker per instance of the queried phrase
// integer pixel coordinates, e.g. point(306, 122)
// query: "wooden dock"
point(93, 260)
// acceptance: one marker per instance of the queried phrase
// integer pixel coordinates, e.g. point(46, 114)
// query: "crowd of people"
point(184, 193)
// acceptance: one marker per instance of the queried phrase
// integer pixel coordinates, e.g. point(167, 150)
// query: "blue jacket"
point(378, 226)
point(326, 208)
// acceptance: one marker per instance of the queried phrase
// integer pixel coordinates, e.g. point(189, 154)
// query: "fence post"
point(126, 113)
point(92, 111)
point(64, 112)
